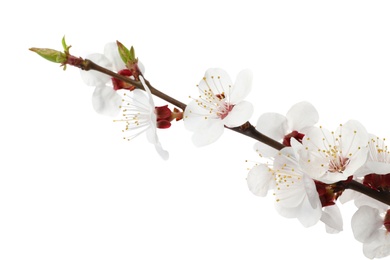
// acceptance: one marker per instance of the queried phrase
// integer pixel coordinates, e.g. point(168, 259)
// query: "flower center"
point(338, 163)
point(224, 110)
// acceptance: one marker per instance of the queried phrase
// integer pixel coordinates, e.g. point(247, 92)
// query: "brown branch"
point(246, 129)
point(382, 196)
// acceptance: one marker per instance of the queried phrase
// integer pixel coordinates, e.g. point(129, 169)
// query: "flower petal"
point(163, 153)
point(260, 180)
point(240, 114)
point(363, 200)
point(209, 134)
point(106, 101)
point(309, 215)
point(216, 80)
point(353, 135)
point(378, 248)
point(365, 222)
point(273, 125)
point(93, 77)
point(194, 117)
point(264, 150)
point(242, 87)
point(141, 67)
point(302, 115)
point(332, 218)
point(112, 53)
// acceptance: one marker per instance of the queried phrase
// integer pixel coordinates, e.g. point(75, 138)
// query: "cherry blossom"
point(295, 192)
point(105, 99)
point(139, 114)
point(378, 157)
point(371, 226)
point(330, 157)
point(282, 128)
point(219, 104)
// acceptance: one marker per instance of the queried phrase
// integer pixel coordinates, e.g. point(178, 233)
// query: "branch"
point(90, 65)
point(249, 130)
point(382, 196)
point(246, 129)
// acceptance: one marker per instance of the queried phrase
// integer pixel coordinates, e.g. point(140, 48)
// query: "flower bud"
point(51, 55)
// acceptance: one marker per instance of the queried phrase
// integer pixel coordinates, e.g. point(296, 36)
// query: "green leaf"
point(132, 54)
point(123, 52)
point(50, 54)
point(64, 43)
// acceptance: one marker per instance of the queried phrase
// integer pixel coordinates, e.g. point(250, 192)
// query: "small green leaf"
point(64, 43)
point(123, 52)
point(50, 54)
point(132, 54)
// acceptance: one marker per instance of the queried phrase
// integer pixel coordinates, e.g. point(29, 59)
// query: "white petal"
point(148, 92)
point(264, 150)
point(316, 163)
point(93, 77)
point(288, 212)
point(348, 195)
point(216, 80)
point(353, 137)
point(378, 167)
point(302, 115)
point(285, 157)
point(311, 191)
point(365, 169)
point(106, 101)
point(365, 223)
point(209, 134)
point(310, 160)
point(242, 87)
point(163, 153)
point(112, 53)
point(260, 180)
point(357, 160)
point(296, 147)
point(378, 248)
point(151, 135)
point(194, 117)
point(141, 67)
point(363, 200)
point(272, 125)
point(318, 138)
point(332, 218)
point(309, 215)
point(240, 114)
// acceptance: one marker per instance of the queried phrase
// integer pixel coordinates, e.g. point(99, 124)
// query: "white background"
point(71, 188)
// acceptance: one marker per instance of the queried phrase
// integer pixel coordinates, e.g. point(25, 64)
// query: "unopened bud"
point(128, 56)
point(50, 54)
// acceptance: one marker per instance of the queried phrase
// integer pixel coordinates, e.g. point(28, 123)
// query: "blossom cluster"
point(311, 170)
point(311, 173)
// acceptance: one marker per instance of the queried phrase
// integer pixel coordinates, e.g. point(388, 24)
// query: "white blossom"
point(330, 157)
point(219, 104)
point(295, 192)
point(370, 225)
point(105, 100)
point(276, 126)
point(378, 157)
point(139, 116)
